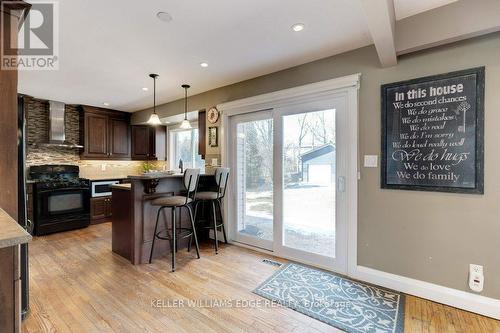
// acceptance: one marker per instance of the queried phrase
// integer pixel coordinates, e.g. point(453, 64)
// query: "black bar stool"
point(190, 180)
point(215, 197)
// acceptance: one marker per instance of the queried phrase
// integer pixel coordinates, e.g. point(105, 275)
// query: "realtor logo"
point(37, 39)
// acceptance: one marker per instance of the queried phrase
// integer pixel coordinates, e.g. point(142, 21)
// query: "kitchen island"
point(134, 217)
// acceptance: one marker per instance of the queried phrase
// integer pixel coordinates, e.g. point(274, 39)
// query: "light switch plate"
point(214, 162)
point(371, 161)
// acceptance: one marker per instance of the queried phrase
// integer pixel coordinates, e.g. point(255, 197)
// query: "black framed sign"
point(433, 133)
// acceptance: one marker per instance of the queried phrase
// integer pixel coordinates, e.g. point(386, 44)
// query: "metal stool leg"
point(194, 232)
point(180, 224)
point(154, 235)
point(215, 228)
point(174, 239)
point(222, 221)
point(196, 209)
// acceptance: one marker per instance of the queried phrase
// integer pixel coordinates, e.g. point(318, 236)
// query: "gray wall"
point(422, 235)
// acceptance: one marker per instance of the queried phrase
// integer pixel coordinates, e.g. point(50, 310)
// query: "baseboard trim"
point(486, 306)
point(482, 305)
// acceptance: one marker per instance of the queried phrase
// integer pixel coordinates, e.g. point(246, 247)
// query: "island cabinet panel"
point(106, 134)
point(122, 226)
point(148, 142)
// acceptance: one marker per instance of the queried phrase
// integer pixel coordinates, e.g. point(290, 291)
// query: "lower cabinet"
point(100, 209)
point(10, 290)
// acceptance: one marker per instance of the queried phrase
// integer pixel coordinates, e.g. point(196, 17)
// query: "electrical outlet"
point(476, 278)
point(103, 167)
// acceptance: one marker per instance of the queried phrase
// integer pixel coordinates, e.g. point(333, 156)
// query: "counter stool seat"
point(172, 201)
point(206, 196)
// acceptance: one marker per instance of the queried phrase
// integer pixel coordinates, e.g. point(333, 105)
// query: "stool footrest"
point(184, 233)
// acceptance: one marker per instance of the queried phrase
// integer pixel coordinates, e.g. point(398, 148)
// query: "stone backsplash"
point(102, 169)
point(37, 131)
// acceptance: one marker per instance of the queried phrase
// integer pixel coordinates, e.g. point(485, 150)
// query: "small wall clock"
point(213, 115)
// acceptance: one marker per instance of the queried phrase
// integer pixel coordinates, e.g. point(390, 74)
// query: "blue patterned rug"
point(346, 304)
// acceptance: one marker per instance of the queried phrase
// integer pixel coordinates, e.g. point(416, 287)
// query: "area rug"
point(349, 305)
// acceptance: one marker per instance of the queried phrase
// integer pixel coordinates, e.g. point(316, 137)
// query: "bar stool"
point(190, 181)
point(215, 197)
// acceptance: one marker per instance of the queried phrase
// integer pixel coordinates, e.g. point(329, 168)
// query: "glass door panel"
point(253, 150)
point(309, 191)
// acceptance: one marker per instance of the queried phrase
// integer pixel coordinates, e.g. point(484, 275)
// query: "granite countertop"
point(11, 233)
point(160, 175)
point(122, 186)
point(114, 177)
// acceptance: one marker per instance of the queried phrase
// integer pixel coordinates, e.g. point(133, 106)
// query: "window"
point(184, 146)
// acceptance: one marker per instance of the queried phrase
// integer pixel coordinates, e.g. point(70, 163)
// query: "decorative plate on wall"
point(213, 115)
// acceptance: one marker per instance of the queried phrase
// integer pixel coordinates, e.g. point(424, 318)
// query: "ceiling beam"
point(381, 21)
point(453, 22)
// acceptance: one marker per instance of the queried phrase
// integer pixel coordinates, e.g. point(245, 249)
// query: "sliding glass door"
point(253, 161)
point(309, 182)
point(290, 181)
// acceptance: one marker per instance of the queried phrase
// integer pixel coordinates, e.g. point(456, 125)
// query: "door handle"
point(341, 184)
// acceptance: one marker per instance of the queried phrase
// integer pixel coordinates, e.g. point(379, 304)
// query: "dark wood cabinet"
point(100, 209)
point(106, 134)
point(10, 274)
point(119, 138)
point(148, 142)
point(202, 123)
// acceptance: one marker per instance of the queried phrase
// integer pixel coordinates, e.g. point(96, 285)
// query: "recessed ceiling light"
point(204, 65)
point(164, 16)
point(145, 89)
point(298, 27)
point(105, 104)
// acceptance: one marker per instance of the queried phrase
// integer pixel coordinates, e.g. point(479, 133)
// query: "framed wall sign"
point(433, 133)
point(212, 137)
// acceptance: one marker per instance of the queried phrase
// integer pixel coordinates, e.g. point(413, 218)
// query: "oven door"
point(55, 203)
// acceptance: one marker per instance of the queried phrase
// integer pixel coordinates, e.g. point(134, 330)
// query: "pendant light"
point(154, 119)
point(185, 123)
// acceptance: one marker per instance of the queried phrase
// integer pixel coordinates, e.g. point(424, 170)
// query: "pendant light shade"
point(154, 119)
point(185, 123)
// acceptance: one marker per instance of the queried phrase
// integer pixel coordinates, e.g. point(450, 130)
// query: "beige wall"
point(423, 235)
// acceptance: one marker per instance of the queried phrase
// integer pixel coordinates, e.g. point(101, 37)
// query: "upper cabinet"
point(148, 143)
point(106, 134)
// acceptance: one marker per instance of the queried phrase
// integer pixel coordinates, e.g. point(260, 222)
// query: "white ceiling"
point(108, 47)
point(407, 8)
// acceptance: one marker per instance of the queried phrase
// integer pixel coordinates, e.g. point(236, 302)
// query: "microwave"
point(102, 188)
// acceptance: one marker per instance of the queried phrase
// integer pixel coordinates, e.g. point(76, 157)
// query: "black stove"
point(62, 198)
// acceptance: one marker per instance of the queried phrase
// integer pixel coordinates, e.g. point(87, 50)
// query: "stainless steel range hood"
point(57, 128)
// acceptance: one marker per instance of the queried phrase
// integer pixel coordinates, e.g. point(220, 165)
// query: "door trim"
point(346, 87)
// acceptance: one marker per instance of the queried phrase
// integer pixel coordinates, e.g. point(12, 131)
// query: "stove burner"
point(57, 176)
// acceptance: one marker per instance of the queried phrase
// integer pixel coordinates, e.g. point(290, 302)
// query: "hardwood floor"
point(78, 285)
